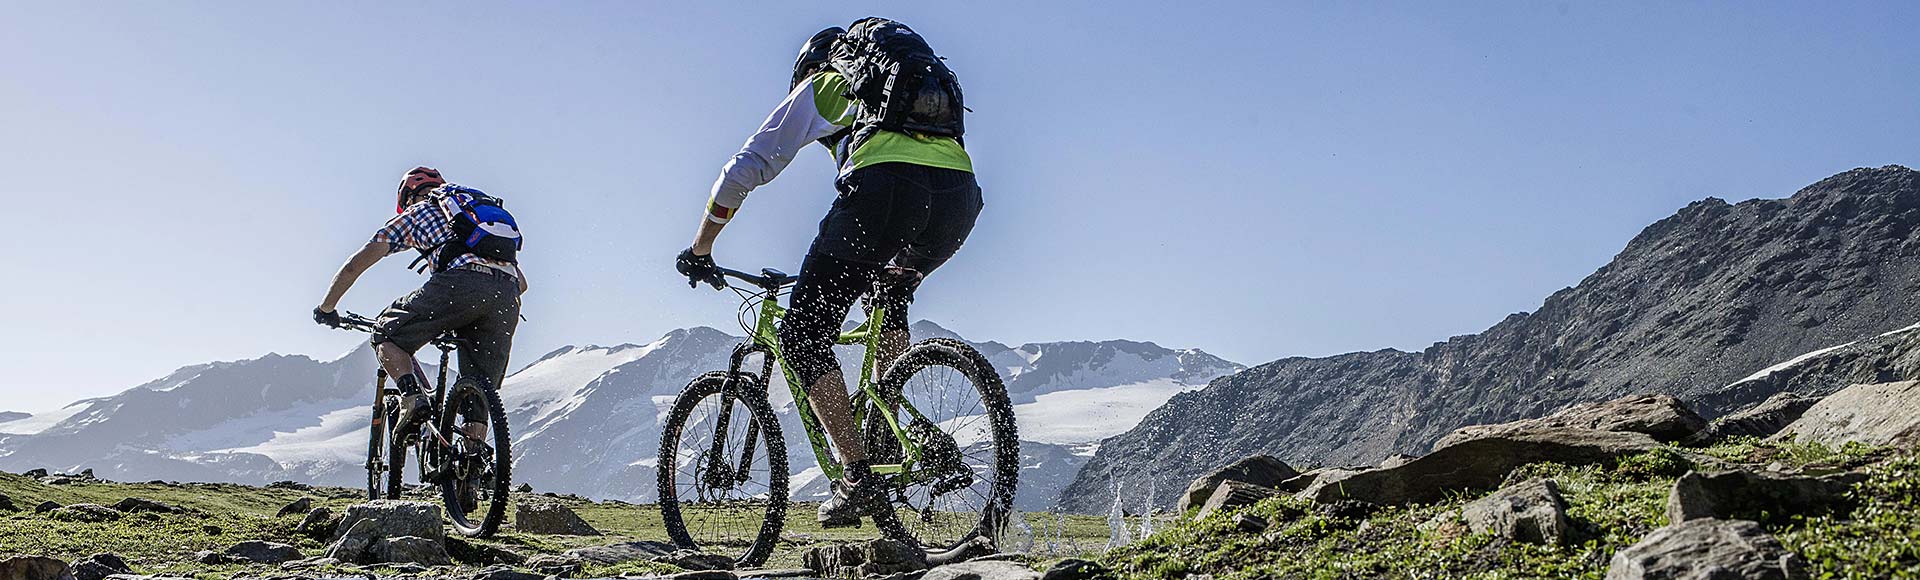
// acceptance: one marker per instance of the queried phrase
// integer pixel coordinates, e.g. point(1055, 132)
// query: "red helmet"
point(415, 181)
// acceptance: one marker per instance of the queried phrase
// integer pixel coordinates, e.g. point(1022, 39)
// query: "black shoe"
point(413, 410)
point(849, 502)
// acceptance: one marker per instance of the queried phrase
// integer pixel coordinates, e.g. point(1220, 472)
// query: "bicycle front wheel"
point(962, 486)
point(723, 469)
point(477, 476)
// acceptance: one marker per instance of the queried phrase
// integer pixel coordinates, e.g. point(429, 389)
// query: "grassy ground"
point(228, 514)
point(1612, 506)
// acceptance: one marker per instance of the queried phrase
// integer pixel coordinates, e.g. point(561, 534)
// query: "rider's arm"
point(350, 272)
point(815, 109)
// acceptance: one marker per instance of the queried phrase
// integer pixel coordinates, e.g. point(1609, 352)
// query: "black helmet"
point(815, 52)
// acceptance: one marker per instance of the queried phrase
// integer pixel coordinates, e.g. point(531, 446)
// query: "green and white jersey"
point(816, 109)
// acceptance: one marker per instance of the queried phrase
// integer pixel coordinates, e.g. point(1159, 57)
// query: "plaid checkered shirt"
point(426, 225)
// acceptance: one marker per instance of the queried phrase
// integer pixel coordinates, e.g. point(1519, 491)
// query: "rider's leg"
point(442, 304)
point(488, 341)
point(955, 206)
point(826, 288)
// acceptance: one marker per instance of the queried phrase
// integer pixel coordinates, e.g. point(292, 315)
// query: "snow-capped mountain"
point(585, 419)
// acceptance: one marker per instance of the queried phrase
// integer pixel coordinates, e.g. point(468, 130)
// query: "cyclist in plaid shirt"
point(477, 298)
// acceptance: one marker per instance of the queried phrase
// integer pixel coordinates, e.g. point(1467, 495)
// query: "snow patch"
point(340, 437)
point(1764, 373)
point(35, 424)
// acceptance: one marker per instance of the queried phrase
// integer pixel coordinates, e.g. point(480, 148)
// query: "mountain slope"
point(1695, 302)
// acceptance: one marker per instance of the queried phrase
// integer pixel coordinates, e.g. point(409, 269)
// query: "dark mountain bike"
point(938, 426)
point(468, 472)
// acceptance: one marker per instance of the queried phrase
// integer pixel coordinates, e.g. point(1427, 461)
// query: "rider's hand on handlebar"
point(327, 317)
point(698, 268)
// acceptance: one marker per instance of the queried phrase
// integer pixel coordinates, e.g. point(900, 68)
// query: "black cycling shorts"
point(906, 215)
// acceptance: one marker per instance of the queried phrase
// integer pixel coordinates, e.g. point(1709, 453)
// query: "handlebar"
point(769, 279)
point(351, 321)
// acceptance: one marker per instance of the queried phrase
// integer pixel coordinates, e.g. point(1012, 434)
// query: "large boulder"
point(1260, 470)
point(882, 557)
point(1761, 420)
point(34, 568)
point(1661, 417)
point(534, 516)
point(396, 532)
point(1878, 415)
point(1234, 494)
point(1707, 549)
point(393, 518)
point(1531, 511)
point(1476, 463)
point(982, 570)
point(1749, 495)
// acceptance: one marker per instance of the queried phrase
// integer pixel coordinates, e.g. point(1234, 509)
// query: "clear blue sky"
point(1258, 179)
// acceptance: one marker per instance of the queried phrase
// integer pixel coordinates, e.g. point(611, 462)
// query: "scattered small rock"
point(504, 573)
point(293, 485)
point(776, 573)
point(212, 558)
point(481, 554)
point(144, 505)
point(1744, 494)
point(46, 506)
point(34, 568)
point(99, 566)
point(692, 560)
point(1707, 549)
point(1234, 494)
point(263, 552)
point(36, 473)
point(562, 566)
point(212, 530)
point(1531, 511)
point(1250, 523)
point(85, 512)
point(549, 517)
point(299, 506)
point(704, 575)
point(1257, 470)
point(524, 488)
point(6, 503)
point(1396, 460)
point(319, 523)
point(315, 562)
point(982, 570)
point(1077, 569)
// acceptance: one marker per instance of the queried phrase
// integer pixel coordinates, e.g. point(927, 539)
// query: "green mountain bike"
point(938, 426)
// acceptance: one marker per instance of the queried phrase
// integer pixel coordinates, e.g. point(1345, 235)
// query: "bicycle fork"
point(718, 474)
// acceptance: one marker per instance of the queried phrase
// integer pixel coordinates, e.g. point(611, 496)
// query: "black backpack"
point(900, 84)
point(482, 228)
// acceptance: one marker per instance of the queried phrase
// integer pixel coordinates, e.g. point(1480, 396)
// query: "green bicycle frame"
point(765, 336)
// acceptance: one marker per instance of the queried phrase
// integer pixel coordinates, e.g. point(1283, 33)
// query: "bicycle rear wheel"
point(722, 469)
point(963, 486)
point(475, 478)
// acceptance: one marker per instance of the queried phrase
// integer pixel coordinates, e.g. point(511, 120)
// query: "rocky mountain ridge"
point(1693, 304)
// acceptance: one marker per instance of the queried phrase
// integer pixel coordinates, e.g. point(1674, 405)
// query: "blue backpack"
point(482, 228)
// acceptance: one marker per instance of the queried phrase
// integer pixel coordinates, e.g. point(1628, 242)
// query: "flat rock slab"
point(1661, 417)
point(263, 552)
point(611, 554)
point(1259, 470)
point(1707, 549)
point(1879, 415)
point(982, 570)
point(1476, 464)
point(1531, 511)
point(1745, 494)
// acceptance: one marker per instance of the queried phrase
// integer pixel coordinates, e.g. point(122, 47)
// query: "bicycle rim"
point(476, 482)
point(970, 448)
point(715, 502)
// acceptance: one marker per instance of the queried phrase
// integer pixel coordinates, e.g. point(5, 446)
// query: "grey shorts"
point(481, 306)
